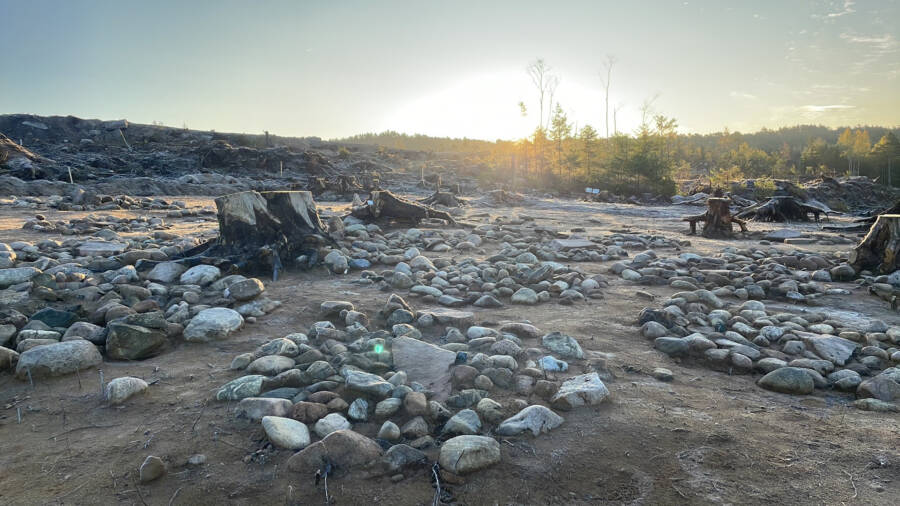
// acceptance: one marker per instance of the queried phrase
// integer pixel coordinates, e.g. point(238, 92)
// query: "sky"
point(337, 68)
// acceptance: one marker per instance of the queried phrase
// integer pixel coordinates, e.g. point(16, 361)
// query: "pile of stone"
point(81, 200)
point(748, 338)
point(97, 225)
point(749, 273)
point(65, 305)
point(385, 400)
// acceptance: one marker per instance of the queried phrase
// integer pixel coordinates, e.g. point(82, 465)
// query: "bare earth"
point(705, 438)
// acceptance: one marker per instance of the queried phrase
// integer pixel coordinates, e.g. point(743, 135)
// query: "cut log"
point(260, 232)
point(442, 198)
point(718, 221)
point(385, 205)
point(879, 250)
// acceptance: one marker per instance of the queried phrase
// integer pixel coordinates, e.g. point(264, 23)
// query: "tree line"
point(654, 158)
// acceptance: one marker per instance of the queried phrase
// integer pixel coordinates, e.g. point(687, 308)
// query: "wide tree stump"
point(785, 208)
point(260, 231)
point(718, 221)
point(383, 204)
point(879, 250)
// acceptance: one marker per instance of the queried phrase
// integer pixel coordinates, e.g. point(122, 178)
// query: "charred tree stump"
point(879, 250)
point(261, 231)
point(385, 205)
point(442, 198)
point(785, 208)
point(718, 221)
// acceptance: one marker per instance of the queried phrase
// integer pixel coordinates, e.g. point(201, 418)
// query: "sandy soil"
point(705, 438)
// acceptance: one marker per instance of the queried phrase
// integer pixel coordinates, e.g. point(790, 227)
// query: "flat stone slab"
point(425, 363)
point(783, 233)
point(454, 317)
point(567, 244)
point(100, 248)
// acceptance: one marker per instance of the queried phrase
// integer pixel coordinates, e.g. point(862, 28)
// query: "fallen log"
point(785, 208)
point(718, 221)
point(383, 204)
point(879, 250)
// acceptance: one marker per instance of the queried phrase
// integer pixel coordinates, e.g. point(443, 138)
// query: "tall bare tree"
point(607, 67)
point(545, 82)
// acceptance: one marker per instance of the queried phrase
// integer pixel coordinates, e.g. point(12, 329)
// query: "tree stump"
point(880, 248)
point(442, 198)
point(384, 205)
point(718, 221)
point(260, 231)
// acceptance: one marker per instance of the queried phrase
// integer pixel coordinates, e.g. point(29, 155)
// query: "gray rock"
point(424, 363)
point(270, 365)
point(466, 454)
point(399, 456)
point(213, 324)
point(241, 388)
point(16, 275)
point(389, 431)
point(525, 296)
point(331, 423)
point(537, 419)
point(564, 345)
point(166, 272)
point(344, 449)
point(286, 432)
point(584, 390)
point(367, 383)
point(359, 410)
point(246, 289)
point(881, 387)
point(255, 408)
point(58, 359)
point(121, 389)
point(788, 380)
point(132, 342)
point(672, 346)
point(464, 422)
point(200, 275)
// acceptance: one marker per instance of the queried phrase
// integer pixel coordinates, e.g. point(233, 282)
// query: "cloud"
point(826, 108)
point(738, 94)
point(884, 44)
point(848, 9)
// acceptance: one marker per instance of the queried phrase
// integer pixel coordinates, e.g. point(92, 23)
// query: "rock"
point(121, 389)
point(869, 404)
point(255, 408)
point(88, 331)
point(100, 248)
point(166, 272)
point(464, 422)
point(564, 345)
point(424, 363)
point(584, 390)
point(835, 349)
point(286, 432)
point(213, 324)
point(788, 380)
point(652, 330)
point(337, 262)
point(132, 342)
point(240, 388)
point(537, 419)
point(54, 317)
point(200, 275)
point(8, 358)
point(16, 275)
point(246, 289)
point(552, 364)
point(270, 365)
point(521, 330)
point(399, 456)
point(344, 449)
point(663, 374)
point(359, 410)
point(367, 383)
point(388, 407)
point(153, 468)
point(880, 387)
point(487, 301)
point(58, 359)
point(415, 428)
point(389, 431)
point(415, 404)
point(309, 412)
point(331, 423)
point(466, 454)
point(672, 346)
point(525, 296)
point(334, 307)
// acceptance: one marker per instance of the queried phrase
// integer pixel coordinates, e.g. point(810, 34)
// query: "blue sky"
point(450, 68)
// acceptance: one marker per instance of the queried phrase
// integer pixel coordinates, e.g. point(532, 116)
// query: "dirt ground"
point(705, 438)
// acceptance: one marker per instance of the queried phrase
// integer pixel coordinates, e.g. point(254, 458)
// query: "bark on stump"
point(718, 221)
point(260, 231)
point(783, 208)
point(385, 205)
point(880, 248)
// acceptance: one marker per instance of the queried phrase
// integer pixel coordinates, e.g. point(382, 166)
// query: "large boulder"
point(344, 449)
point(213, 324)
point(465, 454)
point(564, 345)
point(881, 387)
point(367, 383)
point(200, 275)
point(100, 248)
point(166, 272)
point(132, 342)
point(121, 389)
point(286, 433)
point(424, 363)
point(58, 359)
point(584, 390)
point(17, 275)
point(246, 289)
